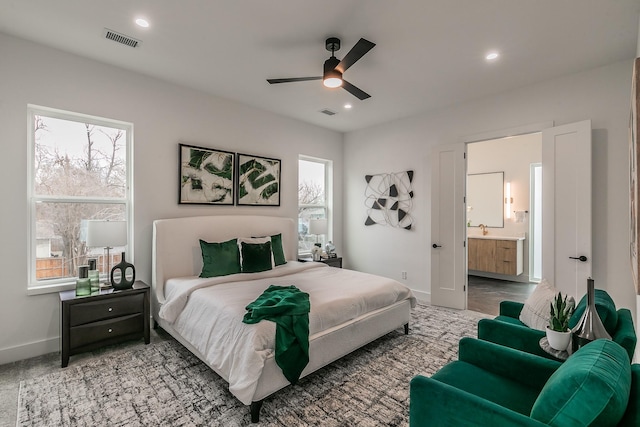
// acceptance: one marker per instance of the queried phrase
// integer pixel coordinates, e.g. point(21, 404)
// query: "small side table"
point(331, 262)
point(560, 355)
point(103, 318)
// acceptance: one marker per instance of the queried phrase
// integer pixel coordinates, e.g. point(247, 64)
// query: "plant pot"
point(558, 340)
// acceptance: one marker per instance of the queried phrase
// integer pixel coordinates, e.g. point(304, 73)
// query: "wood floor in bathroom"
point(485, 294)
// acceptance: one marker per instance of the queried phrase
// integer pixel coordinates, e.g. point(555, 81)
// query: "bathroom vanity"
point(496, 254)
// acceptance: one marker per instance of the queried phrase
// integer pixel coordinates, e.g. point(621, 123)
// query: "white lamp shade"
point(317, 226)
point(106, 233)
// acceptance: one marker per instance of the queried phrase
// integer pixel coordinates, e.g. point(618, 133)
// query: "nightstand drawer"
point(105, 309)
point(99, 331)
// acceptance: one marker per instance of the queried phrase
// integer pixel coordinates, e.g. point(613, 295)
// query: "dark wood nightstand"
point(103, 318)
point(332, 262)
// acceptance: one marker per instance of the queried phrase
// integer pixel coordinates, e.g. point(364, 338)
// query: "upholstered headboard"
point(176, 242)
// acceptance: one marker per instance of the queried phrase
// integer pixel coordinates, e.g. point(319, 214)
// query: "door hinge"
point(464, 288)
point(464, 244)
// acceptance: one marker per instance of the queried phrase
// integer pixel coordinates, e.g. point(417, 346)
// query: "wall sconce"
point(508, 201)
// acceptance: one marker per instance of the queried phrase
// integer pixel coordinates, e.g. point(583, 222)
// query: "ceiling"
point(429, 54)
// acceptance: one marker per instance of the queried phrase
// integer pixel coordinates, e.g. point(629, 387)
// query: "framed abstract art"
point(206, 176)
point(258, 181)
point(634, 179)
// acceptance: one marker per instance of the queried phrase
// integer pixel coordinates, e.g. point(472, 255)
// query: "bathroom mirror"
point(485, 199)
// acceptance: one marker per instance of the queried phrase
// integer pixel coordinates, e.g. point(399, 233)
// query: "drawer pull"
point(110, 309)
point(110, 330)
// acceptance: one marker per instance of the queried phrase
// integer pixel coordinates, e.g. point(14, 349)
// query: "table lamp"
point(317, 227)
point(106, 234)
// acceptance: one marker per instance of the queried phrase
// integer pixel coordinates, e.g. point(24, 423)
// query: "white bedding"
point(208, 313)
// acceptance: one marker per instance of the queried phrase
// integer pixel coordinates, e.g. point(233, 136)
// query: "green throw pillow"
point(256, 257)
point(591, 388)
point(276, 248)
point(605, 307)
point(220, 259)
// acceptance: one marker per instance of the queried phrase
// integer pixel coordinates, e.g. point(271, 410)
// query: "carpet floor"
point(162, 384)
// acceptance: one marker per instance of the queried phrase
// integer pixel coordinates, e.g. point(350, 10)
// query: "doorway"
point(566, 212)
point(517, 201)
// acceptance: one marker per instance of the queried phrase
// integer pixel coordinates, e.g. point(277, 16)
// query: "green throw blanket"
point(288, 307)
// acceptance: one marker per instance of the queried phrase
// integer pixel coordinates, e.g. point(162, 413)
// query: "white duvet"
point(208, 313)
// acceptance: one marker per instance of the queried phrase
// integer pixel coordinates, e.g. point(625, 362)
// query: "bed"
point(348, 309)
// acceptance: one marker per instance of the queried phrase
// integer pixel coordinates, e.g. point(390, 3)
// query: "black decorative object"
point(122, 282)
point(589, 327)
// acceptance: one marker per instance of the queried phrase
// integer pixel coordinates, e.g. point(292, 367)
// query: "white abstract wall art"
point(389, 199)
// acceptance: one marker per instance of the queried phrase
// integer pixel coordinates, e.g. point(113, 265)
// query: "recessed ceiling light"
point(347, 106)
point(142, 22)
point(491, 56)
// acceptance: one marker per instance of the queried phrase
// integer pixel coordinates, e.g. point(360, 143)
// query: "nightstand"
point(103, 318)
point(332, 262)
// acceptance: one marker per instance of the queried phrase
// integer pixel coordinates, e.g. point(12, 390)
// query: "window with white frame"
point(314, 202)
point(79, 169)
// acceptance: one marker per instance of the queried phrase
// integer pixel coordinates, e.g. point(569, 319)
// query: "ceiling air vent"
point(120, 38)
point(328, 112)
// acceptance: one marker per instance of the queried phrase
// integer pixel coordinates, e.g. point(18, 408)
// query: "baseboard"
point(26, 351)
point(421, 296)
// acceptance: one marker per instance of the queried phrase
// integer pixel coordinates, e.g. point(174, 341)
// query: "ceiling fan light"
point(331, 77)
point(332, 82)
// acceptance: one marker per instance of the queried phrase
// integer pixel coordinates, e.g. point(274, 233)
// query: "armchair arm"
point(625, 334)
point(519, 366)
point(514, 336)
point(632, 414)
point(437, 404)
point(511, 309)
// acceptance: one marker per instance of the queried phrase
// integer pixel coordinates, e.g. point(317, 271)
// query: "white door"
point(566, 207)
point(448, 226)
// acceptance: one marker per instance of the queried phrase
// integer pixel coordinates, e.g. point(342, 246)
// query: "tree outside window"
point(79, 171)
point(313, 200)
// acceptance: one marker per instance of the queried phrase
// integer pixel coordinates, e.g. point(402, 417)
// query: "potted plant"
point(558, 332)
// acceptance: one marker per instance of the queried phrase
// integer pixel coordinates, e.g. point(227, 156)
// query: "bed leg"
point(406, 329)
point(255, 411)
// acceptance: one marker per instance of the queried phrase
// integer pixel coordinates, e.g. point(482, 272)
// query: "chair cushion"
point(591, 388)
point(605, 307)
point(507, 319)
point(500, 390)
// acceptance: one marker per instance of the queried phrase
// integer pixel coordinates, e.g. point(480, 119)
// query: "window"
point(314, 200)
point(79, 170)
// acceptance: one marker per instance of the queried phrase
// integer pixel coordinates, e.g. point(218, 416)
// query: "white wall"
point(602, 95)
point(163, 114)
point(513, 156)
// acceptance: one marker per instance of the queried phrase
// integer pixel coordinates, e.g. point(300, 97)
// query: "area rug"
point(162, 384)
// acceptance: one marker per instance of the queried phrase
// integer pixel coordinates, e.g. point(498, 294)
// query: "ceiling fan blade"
point(358, 51)
point(357, 92)
point(293, 79)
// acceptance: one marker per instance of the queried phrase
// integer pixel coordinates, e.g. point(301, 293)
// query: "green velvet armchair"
point(508, 330)
point(493, 385)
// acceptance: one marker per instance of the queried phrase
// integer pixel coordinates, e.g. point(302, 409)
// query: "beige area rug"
point(165, 385)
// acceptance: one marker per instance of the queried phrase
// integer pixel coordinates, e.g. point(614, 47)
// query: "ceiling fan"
point(334, 68)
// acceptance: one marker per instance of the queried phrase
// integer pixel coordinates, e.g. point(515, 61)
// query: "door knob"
point(436, 246)
point(580, 258)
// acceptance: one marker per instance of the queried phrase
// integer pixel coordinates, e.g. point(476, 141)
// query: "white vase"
point(558, 340)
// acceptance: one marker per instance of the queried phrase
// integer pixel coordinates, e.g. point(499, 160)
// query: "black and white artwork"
point(389, 199)
point(258, 181)
point(206, 176)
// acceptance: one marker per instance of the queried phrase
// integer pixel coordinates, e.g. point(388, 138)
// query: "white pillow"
point(536, 311)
